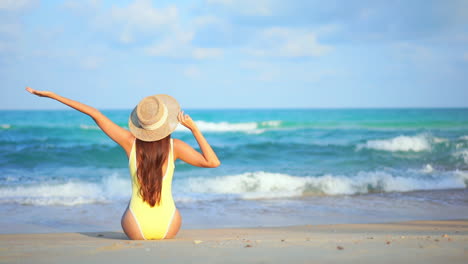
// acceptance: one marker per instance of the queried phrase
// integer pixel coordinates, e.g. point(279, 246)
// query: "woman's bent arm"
point(121, 136)
point(208, 159)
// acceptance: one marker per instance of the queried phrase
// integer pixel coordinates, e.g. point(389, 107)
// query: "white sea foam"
point(463, 154)
point(68, 193)
point(225, 126)
point(252, 185)
point(437, 140)
point(247, 127)
point(256, 185)
point(89, 127)
point(416, 143)
point(465, 137)
point(427, 169)
point(272, 123)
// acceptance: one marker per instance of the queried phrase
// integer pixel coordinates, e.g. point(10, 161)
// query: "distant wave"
point(94, 127)
point(416, 143)
point(248, 127)
point(89, 127)
point(257, 127)
point(255, 185)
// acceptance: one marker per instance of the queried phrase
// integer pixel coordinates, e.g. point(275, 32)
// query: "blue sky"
point(236, 54)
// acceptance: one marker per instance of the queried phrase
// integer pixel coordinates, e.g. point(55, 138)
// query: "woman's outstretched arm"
point(183, 151)
point(121, 136)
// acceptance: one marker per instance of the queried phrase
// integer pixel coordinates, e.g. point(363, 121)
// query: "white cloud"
point(192, 72)
point(141, 14)
point(13, 5)
point(141, 17)
point(203, 21)
point(171, 37)
point(223, 2)
point(94, 3)
point(262, 70)
point(126, 36)
point(91, 62)
point(465, 56)
point(367, 13)
point(82, 4)
point(5, 47)
point(10, 29)
point(266, 76)
point(179, 45)
point(211, 23)
point(418, 54)
point(206, 53)
point(328, 29)
point(176, 45)
point(267, 71)
point(287, 42)
point(246, 7)
point(257, 8)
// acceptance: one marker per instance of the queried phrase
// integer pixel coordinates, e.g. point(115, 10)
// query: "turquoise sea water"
point(59, 172)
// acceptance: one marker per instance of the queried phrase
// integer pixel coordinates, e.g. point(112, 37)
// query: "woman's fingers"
point(185, 119)
point(182, 118)
point(36, 92)
point(29, 89)
point(32, 91)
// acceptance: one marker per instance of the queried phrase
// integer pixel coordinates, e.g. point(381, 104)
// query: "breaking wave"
point(255, 185)
point(251, 185)
point(67, 194)
point(462, 154)
point(416, 143)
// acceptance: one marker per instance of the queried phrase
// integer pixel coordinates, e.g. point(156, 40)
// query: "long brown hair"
point(150, 160)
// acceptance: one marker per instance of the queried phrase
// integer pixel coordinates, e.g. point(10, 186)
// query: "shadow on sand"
point(106, 235)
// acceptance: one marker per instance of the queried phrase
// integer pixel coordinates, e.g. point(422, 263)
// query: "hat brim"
point(165, 129)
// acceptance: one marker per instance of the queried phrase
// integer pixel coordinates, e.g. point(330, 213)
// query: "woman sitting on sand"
point(151, 213)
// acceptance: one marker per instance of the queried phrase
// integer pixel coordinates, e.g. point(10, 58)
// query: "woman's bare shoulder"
point(177, 143)
point(129, 141)
point(179, 146)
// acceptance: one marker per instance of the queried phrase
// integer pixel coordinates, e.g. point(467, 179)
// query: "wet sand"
point(402, 242)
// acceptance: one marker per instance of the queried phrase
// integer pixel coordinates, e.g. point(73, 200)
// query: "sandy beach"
point(401, 242)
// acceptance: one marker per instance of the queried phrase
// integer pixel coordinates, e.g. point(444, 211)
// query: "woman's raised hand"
point(39, 93)
point(207, 159)
point(186, 120)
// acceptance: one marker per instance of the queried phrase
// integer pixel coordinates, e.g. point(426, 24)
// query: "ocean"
point(60, 173)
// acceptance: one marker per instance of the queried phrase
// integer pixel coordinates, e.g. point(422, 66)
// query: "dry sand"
point(404, 242)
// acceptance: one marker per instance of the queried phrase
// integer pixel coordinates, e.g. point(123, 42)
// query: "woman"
point(151, 213)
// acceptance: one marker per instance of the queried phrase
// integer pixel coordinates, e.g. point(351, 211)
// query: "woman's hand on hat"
point(39, 93)
point(186, 120)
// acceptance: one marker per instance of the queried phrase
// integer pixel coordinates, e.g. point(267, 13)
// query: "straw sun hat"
point(154, 118)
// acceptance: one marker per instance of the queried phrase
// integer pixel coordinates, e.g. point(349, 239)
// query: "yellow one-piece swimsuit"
point(154, 222)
